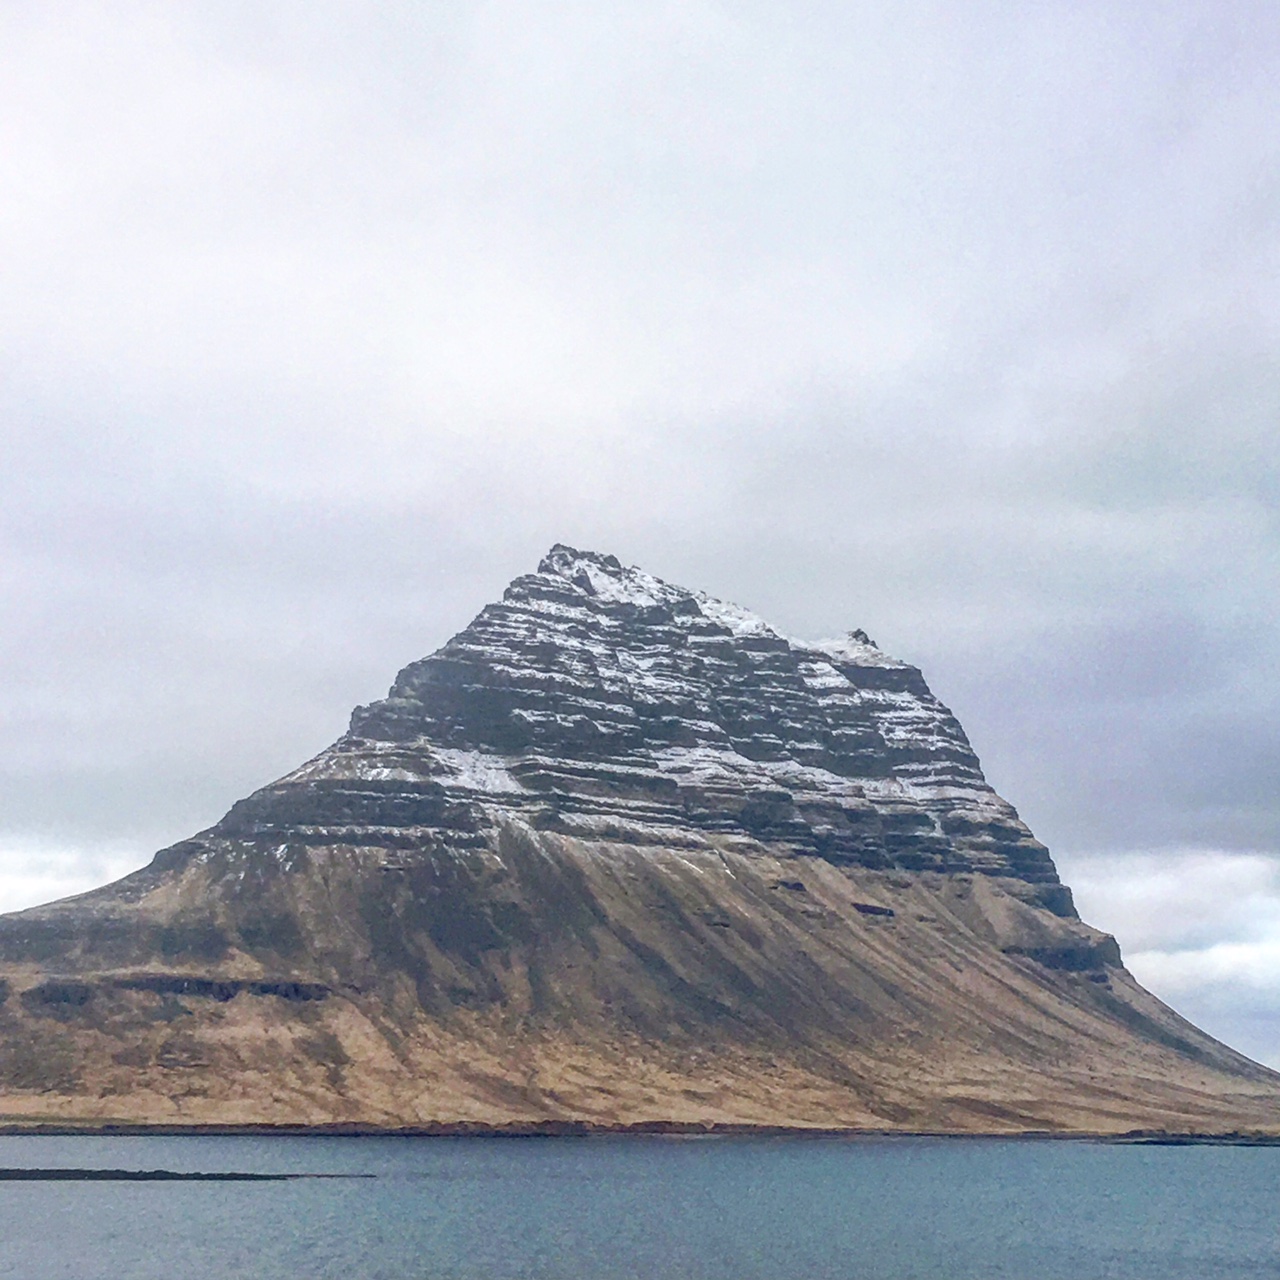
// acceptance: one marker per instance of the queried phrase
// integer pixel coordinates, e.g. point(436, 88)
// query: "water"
point(603, 1209)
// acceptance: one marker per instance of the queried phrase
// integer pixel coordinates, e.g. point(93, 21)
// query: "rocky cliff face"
point(599, 702)
point(618, 853)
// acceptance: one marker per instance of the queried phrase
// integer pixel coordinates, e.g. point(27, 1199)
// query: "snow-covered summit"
point(604, 579)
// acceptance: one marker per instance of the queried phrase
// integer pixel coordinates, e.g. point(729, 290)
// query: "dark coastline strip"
point(588, 1129)
point(155, 1175)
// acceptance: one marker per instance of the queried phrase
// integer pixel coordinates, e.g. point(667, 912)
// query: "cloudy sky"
point(956, 321)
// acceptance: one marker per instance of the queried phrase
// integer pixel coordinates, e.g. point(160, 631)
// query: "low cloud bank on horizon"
point(955, 324)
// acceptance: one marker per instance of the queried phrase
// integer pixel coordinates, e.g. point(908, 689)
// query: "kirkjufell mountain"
point(618, 854)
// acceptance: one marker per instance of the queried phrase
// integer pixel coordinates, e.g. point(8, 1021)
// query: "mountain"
point(617, 854)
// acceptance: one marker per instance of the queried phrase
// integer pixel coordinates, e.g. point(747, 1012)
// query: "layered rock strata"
point(618, 853)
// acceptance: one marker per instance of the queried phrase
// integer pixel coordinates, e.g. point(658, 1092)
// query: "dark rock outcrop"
point(617, 853)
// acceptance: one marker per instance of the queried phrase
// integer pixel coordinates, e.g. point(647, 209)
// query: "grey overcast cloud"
point(955, 321)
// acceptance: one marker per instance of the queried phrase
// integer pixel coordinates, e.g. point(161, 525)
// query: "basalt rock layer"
point(617, 854)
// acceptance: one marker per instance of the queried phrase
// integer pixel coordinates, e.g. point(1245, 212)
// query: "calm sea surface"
point(710, 1209)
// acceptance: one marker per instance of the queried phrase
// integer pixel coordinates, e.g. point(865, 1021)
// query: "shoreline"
point(641, 1129)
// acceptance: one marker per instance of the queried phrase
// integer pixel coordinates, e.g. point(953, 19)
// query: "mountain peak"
point(604, 579)
point(566, 561)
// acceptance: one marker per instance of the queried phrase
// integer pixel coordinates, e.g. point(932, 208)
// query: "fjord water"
point(600, 1208)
